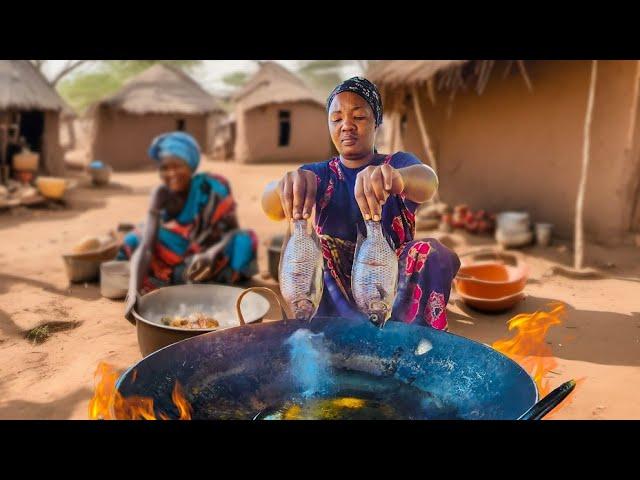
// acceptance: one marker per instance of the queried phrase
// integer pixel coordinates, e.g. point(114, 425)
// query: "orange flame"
point(528, 347)
point(108, 404)
point(180, 401)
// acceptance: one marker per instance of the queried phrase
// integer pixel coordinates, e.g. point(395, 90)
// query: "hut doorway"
point(32, 129)
point(284, 132)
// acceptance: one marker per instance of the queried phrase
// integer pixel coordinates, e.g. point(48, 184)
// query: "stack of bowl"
point(513, 229)
point(25, 165)
point(491, 286)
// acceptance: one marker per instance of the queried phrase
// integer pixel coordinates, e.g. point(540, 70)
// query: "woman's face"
point(352, 125)
point(175, 173)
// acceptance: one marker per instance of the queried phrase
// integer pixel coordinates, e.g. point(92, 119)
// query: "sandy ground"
point(599, 340)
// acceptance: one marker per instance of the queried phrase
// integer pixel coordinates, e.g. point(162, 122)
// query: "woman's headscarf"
point(366, 90)
point(179, 144)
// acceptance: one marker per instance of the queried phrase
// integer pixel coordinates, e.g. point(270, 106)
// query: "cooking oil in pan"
point(361, 396)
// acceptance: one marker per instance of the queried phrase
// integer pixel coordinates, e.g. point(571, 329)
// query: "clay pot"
point(24, 176)
point(491, 280)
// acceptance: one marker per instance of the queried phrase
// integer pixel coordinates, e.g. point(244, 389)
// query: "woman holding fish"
point(192, 233)
point(362, 192)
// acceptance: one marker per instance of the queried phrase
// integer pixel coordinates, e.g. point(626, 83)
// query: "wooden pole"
point(582, 186)
point(397, 123)
point(423, 130)
point(425, 137)
point(629, 149)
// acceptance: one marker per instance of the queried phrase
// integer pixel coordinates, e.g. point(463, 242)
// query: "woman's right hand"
point(297, 191)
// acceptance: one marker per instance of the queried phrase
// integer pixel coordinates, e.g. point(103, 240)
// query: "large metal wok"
point(241, 372)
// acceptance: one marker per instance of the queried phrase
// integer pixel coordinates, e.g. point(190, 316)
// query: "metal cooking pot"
point(219, 301)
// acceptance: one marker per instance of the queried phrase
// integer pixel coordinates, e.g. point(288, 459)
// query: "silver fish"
point(374, 275)
point(300, 271)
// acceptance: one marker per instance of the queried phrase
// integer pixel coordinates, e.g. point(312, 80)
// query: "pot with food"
point(192, 321)
point(174, 313)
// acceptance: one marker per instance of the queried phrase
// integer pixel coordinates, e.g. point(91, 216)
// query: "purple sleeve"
point(321, 171)
point(402, 160)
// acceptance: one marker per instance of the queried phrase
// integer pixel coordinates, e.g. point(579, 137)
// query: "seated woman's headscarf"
point(366, 90)
point(179, 144)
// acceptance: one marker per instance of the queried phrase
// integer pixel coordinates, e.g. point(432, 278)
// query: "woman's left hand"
point(373, 186)
point(197, 266)
point(200, 263)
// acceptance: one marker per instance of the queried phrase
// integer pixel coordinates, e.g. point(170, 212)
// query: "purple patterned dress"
point(426, 267)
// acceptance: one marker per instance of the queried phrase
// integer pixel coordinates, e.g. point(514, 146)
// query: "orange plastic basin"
point(491, 281)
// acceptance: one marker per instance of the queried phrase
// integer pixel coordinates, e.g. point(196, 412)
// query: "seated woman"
point(362, 183)
point(192, 232)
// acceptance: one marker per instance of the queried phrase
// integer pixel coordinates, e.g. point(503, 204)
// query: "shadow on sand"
point(591, 336)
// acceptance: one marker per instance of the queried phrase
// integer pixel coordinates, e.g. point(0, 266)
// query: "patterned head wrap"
point(366, 90)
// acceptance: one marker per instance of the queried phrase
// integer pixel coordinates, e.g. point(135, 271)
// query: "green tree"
point(69, 67)
point(235, 79)
point(321, 75)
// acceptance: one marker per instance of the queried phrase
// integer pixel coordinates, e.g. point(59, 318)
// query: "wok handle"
point(262, 290)
point(548, 403)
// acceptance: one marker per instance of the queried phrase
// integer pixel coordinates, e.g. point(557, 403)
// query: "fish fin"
point(316, 238)
point(388, 238)
point(285, 242)
point(360, 238)
point(362, 228)
point(381, 291)
point(318, 284)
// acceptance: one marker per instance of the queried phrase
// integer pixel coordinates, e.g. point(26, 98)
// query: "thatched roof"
point(403, 72)
point(23, 87)
point(273, 83)
point(437, 74)
point(162, 89)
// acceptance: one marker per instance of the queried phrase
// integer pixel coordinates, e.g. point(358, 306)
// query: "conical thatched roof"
point(23, 87)
point(273, 83)
point(402, 72)
point(162, 89)
point(439, 74)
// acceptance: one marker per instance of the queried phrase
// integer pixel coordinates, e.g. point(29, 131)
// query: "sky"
point(210, 74)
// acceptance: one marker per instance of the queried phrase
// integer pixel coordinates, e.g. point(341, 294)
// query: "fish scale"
point(300, 272)
point(374, 275)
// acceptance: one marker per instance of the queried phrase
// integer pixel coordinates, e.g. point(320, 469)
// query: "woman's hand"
point(373, 186)
point(297, 191)
point(198, 264)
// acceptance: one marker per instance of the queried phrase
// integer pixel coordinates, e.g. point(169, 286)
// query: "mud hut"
point(224, 139)
point(160, 99)
point(279, 119)
point(30, 108)
point(509, 135)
